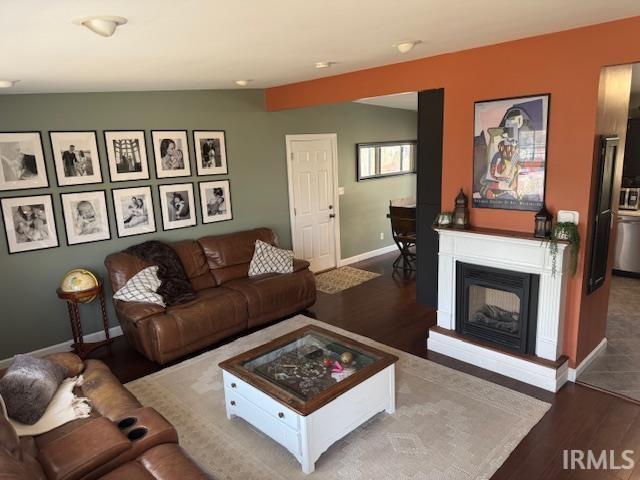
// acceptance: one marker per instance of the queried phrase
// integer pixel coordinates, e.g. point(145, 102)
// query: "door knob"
point(332, 215)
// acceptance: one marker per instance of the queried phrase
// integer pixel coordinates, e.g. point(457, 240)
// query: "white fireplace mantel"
point(510, 252)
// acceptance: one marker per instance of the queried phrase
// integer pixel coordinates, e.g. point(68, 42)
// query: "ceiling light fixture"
point(404, 47)
point(324, 64)
point(103, 25)
point(8, 83)
point(243, 83)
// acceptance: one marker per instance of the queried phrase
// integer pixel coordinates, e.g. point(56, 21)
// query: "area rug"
point(447, 424)
point(340, 279)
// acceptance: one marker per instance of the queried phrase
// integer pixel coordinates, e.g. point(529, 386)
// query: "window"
point(385, 159)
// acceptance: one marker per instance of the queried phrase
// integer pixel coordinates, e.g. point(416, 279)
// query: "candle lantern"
point(543, 223)
point(461, 212)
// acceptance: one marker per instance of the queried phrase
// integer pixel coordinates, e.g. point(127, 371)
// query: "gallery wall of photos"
point(29, 220)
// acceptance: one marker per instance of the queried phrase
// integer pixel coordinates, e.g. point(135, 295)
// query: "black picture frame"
point(196, 150)
point(377, 145)
point(98, 163)
point(64, 217)
point(151, 211)
point(6, 233)
point(157, 159)
point(44, 161)
point(145, 159)
point(195, 203)
point(515, 205)
point(203, 201)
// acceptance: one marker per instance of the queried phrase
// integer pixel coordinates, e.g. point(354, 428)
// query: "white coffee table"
point(287, 390)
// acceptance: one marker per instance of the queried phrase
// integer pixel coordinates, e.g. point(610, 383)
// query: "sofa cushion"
point(28, 386)
point(121, 267)
point(270, 259)
point(224, 251)
point(195, 264)
point(215, 312)
point(142, 287)
point(268, 296)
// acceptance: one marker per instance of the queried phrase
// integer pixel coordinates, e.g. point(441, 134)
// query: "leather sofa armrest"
point(74, 455)
point(300, 264)
point(136, 311)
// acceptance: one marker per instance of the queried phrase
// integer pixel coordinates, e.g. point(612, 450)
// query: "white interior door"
point(312, 167)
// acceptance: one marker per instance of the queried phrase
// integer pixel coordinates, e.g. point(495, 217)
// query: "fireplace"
point(497, 306)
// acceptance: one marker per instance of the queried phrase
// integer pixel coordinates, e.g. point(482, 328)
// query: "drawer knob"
point(280, 414)
point(233, 403)
point(233, 385)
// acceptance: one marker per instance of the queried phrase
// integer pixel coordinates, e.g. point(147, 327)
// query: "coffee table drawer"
point(266, 403)
point(271, 426)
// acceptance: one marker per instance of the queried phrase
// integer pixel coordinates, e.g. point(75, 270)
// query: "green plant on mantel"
point(566, 232)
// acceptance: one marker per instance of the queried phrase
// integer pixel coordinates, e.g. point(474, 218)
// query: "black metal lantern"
point(543, 223)
point(461, 211)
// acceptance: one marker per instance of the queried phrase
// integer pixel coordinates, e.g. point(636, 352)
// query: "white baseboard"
point(66, 346)
point(588, 360)
point(367, 255)
point(549, 378)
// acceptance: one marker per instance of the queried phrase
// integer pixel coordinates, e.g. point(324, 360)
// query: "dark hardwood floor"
point(384, 309)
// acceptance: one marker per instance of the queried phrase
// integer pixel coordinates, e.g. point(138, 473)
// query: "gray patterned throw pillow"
point(28, 386)
point(142, 287)
point(270, 259)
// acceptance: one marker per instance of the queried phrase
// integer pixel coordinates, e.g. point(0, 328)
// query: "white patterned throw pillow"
point(270, 259)
point(142, 287)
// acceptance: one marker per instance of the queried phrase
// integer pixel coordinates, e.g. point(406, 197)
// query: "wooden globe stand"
point(81, 348)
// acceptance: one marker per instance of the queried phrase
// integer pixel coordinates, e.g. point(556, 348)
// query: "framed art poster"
point(215, 198)
point(75, 156)
point(178, 206)
point(85, 217)
point(171, 153)
point(22, 161)
point(29, 223)
point(134, 211)
point(126, 155)
point(211, 152)
point(510, 153)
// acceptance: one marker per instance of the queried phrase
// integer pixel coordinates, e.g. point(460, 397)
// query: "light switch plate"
point(340, 190)
point(568, 216)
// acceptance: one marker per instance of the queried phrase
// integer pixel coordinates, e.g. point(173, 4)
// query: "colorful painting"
point(510, 153)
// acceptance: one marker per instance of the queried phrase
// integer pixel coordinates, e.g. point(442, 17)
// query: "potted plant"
point(566, 232)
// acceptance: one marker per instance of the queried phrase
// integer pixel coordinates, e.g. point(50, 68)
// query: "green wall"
point(32, 317)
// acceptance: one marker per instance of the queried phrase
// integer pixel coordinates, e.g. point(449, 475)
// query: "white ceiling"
point(405, 101)
point(201, 44)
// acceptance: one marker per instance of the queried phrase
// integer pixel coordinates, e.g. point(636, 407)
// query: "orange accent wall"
point(566, 64)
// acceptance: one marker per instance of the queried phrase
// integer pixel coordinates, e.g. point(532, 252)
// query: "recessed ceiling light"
point(103, 25)
point(324, 64)
point(404, 47)
point(243, 83)
point(8, 83)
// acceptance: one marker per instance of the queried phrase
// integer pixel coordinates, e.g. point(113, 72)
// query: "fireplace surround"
point(539, 360)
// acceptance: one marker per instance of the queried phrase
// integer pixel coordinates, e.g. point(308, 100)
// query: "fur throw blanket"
point(175, 288)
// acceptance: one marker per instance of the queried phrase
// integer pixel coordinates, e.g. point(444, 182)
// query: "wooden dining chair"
point(403, 229)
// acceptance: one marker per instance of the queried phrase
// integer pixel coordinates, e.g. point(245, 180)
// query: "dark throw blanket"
point(175, 288)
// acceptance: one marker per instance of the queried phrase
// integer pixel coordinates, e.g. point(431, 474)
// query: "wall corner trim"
point(66, 346)
point(574, 373)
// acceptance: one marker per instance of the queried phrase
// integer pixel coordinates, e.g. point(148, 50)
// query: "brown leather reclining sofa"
point(228, 300)
point(104, 446)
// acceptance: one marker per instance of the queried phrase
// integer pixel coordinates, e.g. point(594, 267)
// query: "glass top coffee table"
point(309, 388)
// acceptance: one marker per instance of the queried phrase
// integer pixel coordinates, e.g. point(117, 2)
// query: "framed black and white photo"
point(75, 156)
point(22, 161)
point(178, 206)
point(211, 152)
point(171, 152)
point(85, 217)
point(29, 223)
point(134, 211)
point(127, 155)
point(215, 198)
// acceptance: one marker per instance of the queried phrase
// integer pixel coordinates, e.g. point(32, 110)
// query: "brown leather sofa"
point(102, 446)
point(228, 300)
